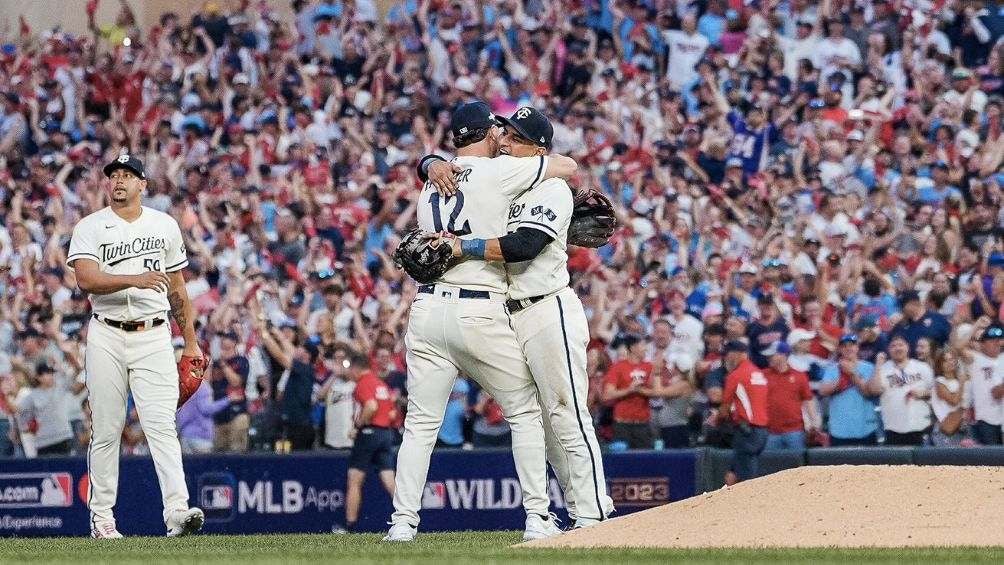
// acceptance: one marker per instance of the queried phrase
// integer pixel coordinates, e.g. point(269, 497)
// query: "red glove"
point(191, 371)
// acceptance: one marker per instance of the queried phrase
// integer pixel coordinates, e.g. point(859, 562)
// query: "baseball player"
point(548, 318)
point(460, 322)
point(129, 258)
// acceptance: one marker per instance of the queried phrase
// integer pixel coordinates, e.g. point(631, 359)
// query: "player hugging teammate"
point(496, 273)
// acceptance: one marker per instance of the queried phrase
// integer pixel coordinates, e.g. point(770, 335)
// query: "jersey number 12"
point(451, 225)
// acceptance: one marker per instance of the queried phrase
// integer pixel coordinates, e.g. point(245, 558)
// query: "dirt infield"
point(840, 506)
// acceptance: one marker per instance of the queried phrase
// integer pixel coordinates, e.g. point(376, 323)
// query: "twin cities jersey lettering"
point(547, 208)
point(478, 211)
point(152, 242)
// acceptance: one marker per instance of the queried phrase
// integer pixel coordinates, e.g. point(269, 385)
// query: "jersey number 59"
point(151, 264)
point(451, 225)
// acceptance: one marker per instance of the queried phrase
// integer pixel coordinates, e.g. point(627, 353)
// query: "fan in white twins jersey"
point(129, 259)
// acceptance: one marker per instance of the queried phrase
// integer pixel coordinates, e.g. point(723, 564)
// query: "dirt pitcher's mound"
point(842, 506)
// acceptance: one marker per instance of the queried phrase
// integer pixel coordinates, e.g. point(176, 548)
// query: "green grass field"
point(482, 548)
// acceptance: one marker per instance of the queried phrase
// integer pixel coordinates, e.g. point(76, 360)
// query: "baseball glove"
point(423, 256)
point(593, 220)
point(191, 370)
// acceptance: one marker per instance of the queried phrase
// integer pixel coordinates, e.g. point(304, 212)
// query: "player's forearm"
point(560, 166)
point(103, 283)
point(521, 245)
point(181, 307)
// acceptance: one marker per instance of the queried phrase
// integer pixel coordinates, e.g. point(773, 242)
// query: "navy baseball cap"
point(735, 346)
point(128, 162)
point(992, 332)
point(469, 117)
point(848, 338)
point(531, 124)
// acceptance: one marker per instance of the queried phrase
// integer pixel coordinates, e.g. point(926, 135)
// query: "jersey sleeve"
point(363, 392)
point(176, 256)
point(548, 208)
point(805, 391)
point(83, 244)
point(516, 175)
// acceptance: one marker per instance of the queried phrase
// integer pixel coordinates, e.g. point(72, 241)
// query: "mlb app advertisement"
point(465, 490)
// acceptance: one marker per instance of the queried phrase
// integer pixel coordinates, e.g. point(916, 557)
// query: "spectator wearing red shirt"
point(627, 387)
point(374, 435)
point(788, 393)
point(744, 400)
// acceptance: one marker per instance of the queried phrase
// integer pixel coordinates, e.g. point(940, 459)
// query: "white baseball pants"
point(553, 334)
point(116, 363)
point(447, 334)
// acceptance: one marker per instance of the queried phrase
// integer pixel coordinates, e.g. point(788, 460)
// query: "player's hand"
point(152, 280)
point(441, 176)
point(192, 350)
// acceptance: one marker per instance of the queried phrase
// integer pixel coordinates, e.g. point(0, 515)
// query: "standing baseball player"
point(129, 258)
point(548, 317)
point(460, 322)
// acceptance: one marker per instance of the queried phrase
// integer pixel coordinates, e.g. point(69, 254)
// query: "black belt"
point(464, 293)
point(517, 305)
point(130, 326)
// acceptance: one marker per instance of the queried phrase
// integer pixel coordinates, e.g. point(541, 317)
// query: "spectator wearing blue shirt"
point(712, 23)
point(918, 321)
point(852, 420)
point(939, 190)
point(451, 434)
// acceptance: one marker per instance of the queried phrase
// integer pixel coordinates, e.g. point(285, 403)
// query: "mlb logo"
point(434, 496)
point(220, 497)
point(57, 490)
point(216, 496)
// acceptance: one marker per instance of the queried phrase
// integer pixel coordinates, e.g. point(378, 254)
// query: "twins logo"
point(523, 113)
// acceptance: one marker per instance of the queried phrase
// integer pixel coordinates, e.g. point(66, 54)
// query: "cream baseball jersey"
point(152, 242)
point(900, 413)
point(478, 210)
point(547, 208)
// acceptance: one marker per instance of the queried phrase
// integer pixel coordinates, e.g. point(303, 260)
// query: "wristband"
point(473, 247)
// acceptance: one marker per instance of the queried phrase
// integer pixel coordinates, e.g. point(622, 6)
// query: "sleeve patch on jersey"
point(540, 211)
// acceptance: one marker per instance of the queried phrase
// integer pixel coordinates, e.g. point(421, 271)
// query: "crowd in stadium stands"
point(813, 187)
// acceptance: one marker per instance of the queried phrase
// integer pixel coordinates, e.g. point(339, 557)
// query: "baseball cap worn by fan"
point(992, 332)
point(128, 162)
point(735, 346)
point(531, 124)
point(469, 117)
point(798, 334)
point(777, 348)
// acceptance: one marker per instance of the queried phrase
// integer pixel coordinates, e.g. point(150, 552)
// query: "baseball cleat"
point(105, 531)
point(585, 523)
point(539, 527)
point(185, 522)
point(400, 533)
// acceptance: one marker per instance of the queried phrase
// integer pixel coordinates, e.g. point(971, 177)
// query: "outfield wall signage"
point(466, 490)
